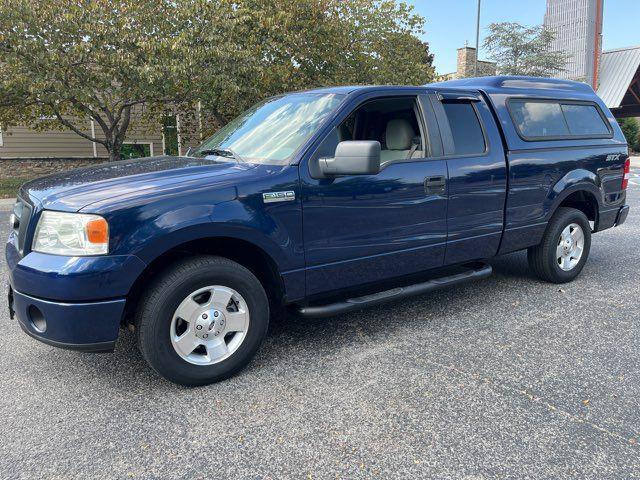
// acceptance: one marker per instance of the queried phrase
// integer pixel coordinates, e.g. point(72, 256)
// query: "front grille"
point(22, 211)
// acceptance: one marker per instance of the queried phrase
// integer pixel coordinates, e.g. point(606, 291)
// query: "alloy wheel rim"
point(570, 247)
point(209, 325)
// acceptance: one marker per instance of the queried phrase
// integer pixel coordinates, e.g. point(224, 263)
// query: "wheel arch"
point(578, 189)
point(583, 200)
point(248, 254)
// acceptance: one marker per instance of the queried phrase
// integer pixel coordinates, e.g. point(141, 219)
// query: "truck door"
point(477, 176)
point(365, 228)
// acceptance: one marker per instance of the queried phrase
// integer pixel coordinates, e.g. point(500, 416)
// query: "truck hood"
point(80, 188)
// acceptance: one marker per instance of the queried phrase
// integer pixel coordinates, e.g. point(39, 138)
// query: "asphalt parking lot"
point(505, 378)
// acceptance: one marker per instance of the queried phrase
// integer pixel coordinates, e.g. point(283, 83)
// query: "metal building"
point(619, 85)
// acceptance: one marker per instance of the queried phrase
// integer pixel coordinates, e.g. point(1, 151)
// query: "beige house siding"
point(191, 128)
point(22, 142)
point(138, 132)
point(26, 153)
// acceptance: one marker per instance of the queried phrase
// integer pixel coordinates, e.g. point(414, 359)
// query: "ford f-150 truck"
point(320, 201)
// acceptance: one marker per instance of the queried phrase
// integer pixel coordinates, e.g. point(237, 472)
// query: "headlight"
point(71, 234)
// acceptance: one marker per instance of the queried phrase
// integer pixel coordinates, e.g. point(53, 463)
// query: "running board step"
point(358, 303)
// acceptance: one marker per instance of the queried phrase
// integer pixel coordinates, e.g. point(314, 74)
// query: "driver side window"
point(392, 121)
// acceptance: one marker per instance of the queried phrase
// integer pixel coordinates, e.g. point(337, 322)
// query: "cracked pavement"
point(508, 377)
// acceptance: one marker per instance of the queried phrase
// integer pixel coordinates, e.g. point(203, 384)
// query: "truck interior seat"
point(401, 141)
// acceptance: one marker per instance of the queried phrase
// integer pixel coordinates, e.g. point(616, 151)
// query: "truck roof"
point(490, 85)
point(346, 89)
point(498, 90)
point(501, 83)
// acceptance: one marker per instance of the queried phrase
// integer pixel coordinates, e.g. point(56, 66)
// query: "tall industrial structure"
point(578, 28)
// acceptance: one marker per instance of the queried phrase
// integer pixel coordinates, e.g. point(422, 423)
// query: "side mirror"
point(355, 157)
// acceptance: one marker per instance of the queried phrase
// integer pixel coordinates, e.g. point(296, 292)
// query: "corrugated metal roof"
point(617, 68)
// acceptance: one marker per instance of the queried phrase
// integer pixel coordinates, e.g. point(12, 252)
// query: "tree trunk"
point(114, 155)
point(114, 148)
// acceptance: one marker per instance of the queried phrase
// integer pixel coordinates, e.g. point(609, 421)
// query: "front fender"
point(172, 239)
point(151, 230)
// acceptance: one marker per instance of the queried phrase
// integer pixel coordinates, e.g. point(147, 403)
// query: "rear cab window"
point(466, 131)
point(558, 119)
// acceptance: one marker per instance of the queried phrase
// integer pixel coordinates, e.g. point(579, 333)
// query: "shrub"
point(631, 131)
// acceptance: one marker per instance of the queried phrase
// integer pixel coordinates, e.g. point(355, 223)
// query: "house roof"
point(617, 71)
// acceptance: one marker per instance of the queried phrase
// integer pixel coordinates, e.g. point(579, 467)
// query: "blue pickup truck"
point(320, 202)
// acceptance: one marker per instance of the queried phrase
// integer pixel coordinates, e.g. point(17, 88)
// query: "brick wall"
point(37, 167)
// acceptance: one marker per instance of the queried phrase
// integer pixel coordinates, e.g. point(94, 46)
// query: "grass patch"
point(9, 186)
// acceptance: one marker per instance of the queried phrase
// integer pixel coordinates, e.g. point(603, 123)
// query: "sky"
point(451, 22)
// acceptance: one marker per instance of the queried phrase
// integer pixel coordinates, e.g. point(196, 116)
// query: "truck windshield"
point(271, 131)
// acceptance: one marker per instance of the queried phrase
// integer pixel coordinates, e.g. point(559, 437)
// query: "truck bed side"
point(544, 174)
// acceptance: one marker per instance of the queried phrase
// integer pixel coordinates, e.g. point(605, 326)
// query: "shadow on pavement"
point(291, 335)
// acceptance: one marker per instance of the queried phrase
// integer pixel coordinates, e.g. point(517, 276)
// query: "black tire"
point(156, 310)
point(542, 257)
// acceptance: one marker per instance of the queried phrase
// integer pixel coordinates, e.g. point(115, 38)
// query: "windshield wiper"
point(223, 152)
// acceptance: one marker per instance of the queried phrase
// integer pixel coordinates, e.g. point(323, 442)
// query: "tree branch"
point(89, 111)
point(76, 130)
point(125, 122)
point(109, 115)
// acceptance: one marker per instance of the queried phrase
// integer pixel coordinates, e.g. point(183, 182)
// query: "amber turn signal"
point(97, 231)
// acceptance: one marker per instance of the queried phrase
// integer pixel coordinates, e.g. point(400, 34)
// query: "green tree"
point(108, 59)
point(101, 59)
point(522, 50)
point(298, 44)
point(631, 131)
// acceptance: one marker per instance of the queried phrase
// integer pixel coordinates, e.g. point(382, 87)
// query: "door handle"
point(435, 185)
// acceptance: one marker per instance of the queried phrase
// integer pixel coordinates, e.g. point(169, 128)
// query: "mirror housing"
point(354, 157)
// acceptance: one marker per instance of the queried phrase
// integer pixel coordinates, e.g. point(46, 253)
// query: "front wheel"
point(202, 321)
point(563, 251)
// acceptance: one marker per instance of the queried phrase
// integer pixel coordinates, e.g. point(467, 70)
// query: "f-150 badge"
point(271, 197)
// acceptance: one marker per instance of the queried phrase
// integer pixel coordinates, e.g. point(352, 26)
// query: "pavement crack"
point(536, 399)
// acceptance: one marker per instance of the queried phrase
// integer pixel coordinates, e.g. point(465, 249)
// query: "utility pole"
point(475, 66)
point(597, 48)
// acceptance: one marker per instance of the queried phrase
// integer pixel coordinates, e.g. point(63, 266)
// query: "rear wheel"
point(202, 321)
point(564, 249)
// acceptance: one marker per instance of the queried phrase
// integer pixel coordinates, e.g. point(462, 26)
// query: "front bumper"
point(70, 302)
point(88, 327)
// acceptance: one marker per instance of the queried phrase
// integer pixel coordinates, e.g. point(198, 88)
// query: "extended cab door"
point(366, 228)
point(477, 175)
